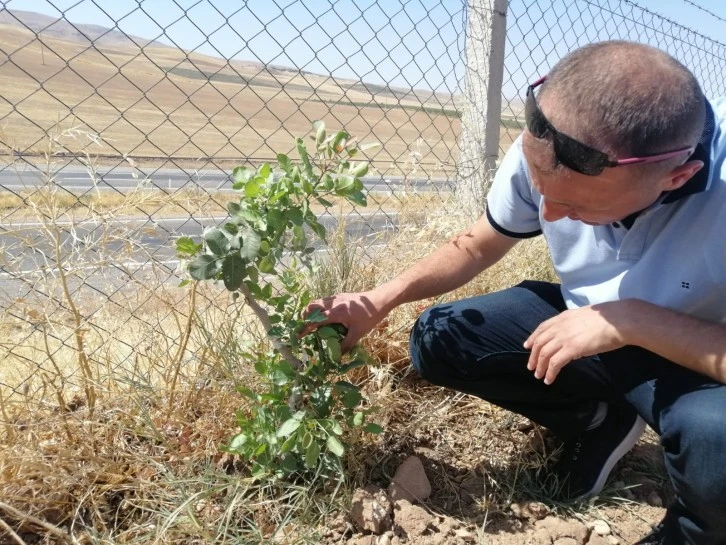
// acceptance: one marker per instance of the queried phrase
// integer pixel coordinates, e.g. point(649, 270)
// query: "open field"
point(161, 103)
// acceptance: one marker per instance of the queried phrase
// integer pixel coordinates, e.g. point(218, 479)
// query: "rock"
point(371, 510)
point(612, 540)
point(598, 540)
point(384, 540)
point(410, 519)
point(601, 528)
point(531, 510)
point(655, 500)
point(362, 540)
point(466, 535)
point(552, 529)
point(410, 482)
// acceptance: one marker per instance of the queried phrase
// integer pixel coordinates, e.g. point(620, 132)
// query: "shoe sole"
point(621, 450)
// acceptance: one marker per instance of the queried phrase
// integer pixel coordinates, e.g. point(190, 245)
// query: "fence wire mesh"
point(112, 145)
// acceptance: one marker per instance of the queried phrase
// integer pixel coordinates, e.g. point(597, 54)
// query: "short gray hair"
point(626, 99)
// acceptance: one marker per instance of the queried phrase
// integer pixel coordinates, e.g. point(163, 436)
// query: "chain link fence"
point(120, 123)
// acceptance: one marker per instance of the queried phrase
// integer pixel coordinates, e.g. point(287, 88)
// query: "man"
point(620, 169)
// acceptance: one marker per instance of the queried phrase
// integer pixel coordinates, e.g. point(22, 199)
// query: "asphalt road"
point(123, 179)
point(110, 255)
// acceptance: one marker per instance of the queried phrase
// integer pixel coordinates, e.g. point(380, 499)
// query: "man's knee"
point(694, 439)
point(427, 344)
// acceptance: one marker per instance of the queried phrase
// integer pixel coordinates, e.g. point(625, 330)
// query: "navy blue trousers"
point(475, 346)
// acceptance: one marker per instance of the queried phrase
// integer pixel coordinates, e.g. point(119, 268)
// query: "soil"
point(478, 459)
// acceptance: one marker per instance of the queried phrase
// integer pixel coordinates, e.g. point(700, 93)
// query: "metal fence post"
point(479, 143)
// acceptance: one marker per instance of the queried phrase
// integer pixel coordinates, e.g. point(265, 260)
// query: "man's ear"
point(681, 174)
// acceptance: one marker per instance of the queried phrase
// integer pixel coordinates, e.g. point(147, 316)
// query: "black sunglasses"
point(576, 155)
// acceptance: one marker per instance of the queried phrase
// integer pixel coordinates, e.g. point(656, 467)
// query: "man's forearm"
point(687, 341)
point(449, 267)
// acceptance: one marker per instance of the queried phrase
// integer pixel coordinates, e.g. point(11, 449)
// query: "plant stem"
point(264, 318)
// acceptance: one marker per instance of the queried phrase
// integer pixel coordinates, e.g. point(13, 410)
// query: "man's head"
point(624, 100)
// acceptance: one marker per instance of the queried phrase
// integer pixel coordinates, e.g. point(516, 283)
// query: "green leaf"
point(264, 171)
point(339, 141)
point(233, 208)
point(253, 273)
point(304, 157)
point(295, 215)
point(351, 399)
point(250, 245)
point(352, 365)
point(328, 332)
point(253, 188)
point(238, 441)
point(183, 283)
point(267, 265)
point(319, 128)
point(288, 427)
point(316, 316)
point(335, 446)
point(336, 428)
point(233, 271)
point(373, 428)
point(358, 197)
point(187, 247)
point(344, 185)
point(216, 241)
point(307, 440)
point(317, 227)
point(261, 367)
point(289, 464)
point(332, 349)
point(284, 162)
point(276, 219)
point(358, 419)
point(361, 169)
point(288, 444)
point(204, 267)
point(325, 202)
point(242, 174)
point(231, 228)
point(312, 453)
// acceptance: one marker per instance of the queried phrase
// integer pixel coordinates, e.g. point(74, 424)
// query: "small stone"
point(466, 535)
point(371, 510)
point(554, 528)
point(410, 482)
point(597, 540)
point(384, 540)
point(601, 528)
point(531, 510)
point(655, 500)
point(411, 519)
point(612, 540)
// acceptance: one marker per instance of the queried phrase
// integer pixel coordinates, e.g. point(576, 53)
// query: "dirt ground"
point(480, 462)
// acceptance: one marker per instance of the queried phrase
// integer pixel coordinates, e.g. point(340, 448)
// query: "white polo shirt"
point(673, 255)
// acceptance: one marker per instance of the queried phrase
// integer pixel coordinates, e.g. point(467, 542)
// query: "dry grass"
point(139, 461)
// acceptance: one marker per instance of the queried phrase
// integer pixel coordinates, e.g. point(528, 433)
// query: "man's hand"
point(575, 334)
point(358, 312)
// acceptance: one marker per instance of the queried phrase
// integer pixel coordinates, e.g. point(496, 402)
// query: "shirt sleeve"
point(512, 209)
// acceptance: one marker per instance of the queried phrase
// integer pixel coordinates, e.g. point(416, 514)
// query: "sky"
point(404, 43)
